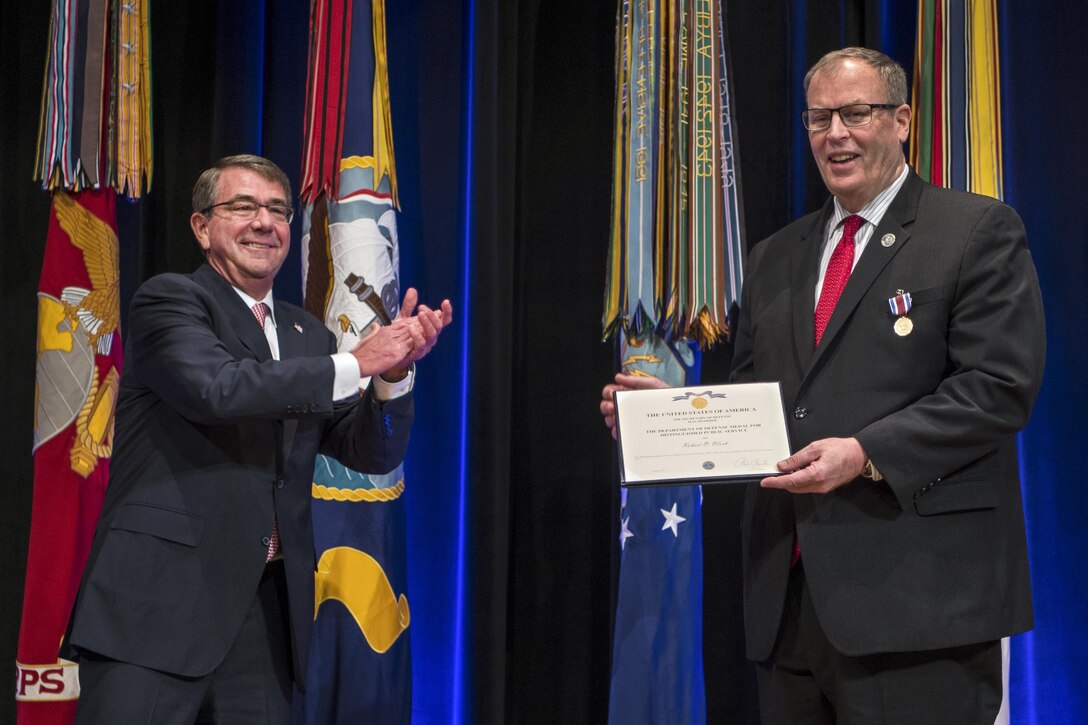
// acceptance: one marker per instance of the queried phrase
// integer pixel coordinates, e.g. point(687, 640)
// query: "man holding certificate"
point(904, 324)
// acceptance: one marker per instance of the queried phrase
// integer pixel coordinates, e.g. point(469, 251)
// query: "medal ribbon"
point(900, 304)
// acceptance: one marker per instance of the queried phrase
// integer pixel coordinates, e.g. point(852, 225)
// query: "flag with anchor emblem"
point(360, 657)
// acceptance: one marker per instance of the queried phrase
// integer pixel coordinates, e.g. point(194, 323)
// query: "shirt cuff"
point(385, 390)
point(345, 382)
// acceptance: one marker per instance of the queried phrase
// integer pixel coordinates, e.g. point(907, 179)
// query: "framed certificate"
point(705, 434)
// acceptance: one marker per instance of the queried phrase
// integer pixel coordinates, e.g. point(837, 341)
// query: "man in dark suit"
point(904, 323)
point(197, 599)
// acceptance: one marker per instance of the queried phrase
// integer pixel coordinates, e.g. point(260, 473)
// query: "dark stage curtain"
point(502, 125)
point(1044, 103)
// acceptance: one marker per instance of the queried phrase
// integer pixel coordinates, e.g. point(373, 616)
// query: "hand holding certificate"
point(705, 434)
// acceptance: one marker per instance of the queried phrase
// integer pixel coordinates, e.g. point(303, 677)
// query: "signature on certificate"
point(709, 443)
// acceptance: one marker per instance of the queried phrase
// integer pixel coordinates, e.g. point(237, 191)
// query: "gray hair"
point(207, 186)
point(891, 74)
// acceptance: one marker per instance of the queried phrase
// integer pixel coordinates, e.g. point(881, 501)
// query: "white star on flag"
point(672, 520)
point(625, 533)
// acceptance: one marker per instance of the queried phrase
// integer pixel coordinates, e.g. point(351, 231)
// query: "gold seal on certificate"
point(703, 434)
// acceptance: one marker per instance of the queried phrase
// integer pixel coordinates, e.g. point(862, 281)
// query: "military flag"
point(674, 274)
point(657, 647)
point(94, 142)
point(360, 659)
point(955, 138)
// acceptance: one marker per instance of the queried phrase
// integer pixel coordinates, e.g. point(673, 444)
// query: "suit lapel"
point(806, 267)
point(253, 338)
point(241, 317)
point(291, 333)
point(893, 226)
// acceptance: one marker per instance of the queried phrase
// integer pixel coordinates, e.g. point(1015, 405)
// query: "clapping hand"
point(389, 351)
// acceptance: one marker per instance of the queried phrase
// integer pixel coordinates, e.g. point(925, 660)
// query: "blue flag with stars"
point(657, 654)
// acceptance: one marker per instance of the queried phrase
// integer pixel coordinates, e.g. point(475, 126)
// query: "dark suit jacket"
point(935, 555)
point(214, 439)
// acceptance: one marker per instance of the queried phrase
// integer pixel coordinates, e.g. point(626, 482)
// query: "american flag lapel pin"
point(298, 328)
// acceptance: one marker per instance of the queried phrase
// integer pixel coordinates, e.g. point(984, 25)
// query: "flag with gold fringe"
point(955, 137)
point(94, 141)
point(360, 657)
point(675, 251)
point(674, 275)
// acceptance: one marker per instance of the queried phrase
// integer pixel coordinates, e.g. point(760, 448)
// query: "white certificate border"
point(709, 477)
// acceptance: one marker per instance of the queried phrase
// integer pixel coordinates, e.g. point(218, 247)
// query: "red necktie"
point(838, 271)
point(261, 311)
point(273, 543)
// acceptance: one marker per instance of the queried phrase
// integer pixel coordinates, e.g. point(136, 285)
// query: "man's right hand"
point(624, 382)
point(389, 351)
point(384, 347)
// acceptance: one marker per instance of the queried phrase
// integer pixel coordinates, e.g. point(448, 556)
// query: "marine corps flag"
point(94, 141)
point(360, 661)
point(674, 273)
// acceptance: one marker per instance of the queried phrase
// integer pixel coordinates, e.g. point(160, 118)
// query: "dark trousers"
point(806, 681)
point(252, 686)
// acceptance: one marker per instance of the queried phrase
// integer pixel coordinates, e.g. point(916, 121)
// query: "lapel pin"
point(298, 328)
point(887, 240)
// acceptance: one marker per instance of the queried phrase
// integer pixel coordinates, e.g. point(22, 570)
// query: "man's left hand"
point(425, 325)
point(820, 467)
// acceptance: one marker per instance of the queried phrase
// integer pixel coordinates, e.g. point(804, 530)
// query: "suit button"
point(265, 541)
point(279, 483)
point(800, 412)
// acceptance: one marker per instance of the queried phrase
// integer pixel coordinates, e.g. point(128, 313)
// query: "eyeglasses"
point(856, 114)
point(247, 209)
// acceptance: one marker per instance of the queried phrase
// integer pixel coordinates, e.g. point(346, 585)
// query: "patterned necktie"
point(273, 542)
point(838, 271)
point(261, 311)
